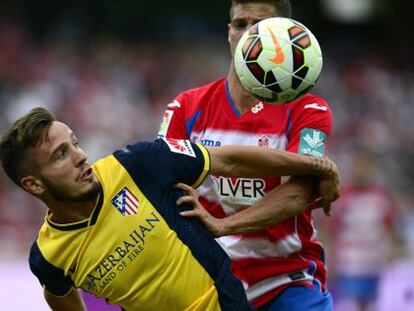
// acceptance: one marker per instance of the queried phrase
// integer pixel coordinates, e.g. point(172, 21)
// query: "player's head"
point(245, 13)
point(363, 168)
point(42, 156)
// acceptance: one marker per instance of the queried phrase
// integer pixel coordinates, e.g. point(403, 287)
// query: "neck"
point(68, 212)
point(241, 98)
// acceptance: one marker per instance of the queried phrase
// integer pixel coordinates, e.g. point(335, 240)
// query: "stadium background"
point(109, 69)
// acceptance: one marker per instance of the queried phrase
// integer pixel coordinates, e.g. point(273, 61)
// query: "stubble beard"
point(62, 195)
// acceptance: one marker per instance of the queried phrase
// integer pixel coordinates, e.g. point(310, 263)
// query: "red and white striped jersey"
point(269, 260)
point(361, 230)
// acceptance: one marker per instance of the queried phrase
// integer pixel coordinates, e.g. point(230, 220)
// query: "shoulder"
point(310, 103)
point(311, 111)
point(147, 154)
point(50, 276)
point(37, 261)
point(35, 256)
point(164, 161)
point(139, 149)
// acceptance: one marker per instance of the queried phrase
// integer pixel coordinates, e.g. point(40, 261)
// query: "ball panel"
point(270, 78)
point(298, 58)
point(255, 50)
point(247, 46)
point(298, 77)
point(256, 71)
point(254, 30)
point(303, 42)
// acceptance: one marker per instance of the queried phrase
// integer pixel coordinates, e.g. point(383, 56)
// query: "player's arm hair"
point(285, 201)
point(73, 301)
point(249, 161)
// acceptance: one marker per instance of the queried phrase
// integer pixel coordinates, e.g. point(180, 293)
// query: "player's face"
point(244, 16)
point(61, 166)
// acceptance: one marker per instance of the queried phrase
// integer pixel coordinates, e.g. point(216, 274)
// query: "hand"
point(329, 184)
point(214, 225)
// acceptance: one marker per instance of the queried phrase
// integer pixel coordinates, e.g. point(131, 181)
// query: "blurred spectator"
point(360, 236)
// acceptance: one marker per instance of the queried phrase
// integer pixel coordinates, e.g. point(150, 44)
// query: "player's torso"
point(266, 126)
point(272, 254)
point(217, 123)
point(130, 255)
point(362, 230)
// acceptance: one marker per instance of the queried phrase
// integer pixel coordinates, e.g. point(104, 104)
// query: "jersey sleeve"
point(173, 124)
point(50, 277)
point(167, 161)
point(310, 127)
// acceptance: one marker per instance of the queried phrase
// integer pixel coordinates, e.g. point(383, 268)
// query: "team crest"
point(263, 141)
point(180, 146)
point(125, 202)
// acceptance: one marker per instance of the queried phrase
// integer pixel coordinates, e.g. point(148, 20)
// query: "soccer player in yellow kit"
point(113, 228)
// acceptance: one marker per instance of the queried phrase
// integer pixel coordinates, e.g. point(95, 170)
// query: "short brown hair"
point(26, 132)
point(283, 7)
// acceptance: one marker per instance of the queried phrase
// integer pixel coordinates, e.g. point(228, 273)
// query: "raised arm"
point(245, 161)
point(70, 302)
point(283, 202)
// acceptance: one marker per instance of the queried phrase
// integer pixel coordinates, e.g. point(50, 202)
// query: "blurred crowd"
point(113, 92)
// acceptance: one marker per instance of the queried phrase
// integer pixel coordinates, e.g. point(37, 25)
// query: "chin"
point(92, 192)
point(87, 193)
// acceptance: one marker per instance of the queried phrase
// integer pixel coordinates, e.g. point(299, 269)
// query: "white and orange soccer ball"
point(278, 60)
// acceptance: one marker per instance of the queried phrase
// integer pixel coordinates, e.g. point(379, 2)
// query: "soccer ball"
point(278, 60)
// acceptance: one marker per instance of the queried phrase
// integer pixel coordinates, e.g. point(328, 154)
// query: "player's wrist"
point(321, 166)
point(223, 227)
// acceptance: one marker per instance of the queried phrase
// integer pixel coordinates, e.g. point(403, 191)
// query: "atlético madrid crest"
point(125, 202)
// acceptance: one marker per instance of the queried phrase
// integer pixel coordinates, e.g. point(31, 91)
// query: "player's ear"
point(32, 184)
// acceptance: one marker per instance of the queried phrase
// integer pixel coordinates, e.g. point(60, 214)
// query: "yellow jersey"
point(135, 250)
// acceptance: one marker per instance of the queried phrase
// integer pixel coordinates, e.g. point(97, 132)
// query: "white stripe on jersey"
point(210, 189)
point(242, 248)
point(235, 246)
point(219, 137)
point(267, 285)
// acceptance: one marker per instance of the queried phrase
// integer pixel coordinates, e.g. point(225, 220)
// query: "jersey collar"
point(232, 105)
point(79, 224)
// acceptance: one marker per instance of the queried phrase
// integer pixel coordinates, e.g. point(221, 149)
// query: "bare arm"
point(283, 202)
point(246, 161)
point(71, 302)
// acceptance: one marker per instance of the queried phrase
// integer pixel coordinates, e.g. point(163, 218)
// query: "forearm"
point(244, 161)
point(281, 203)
